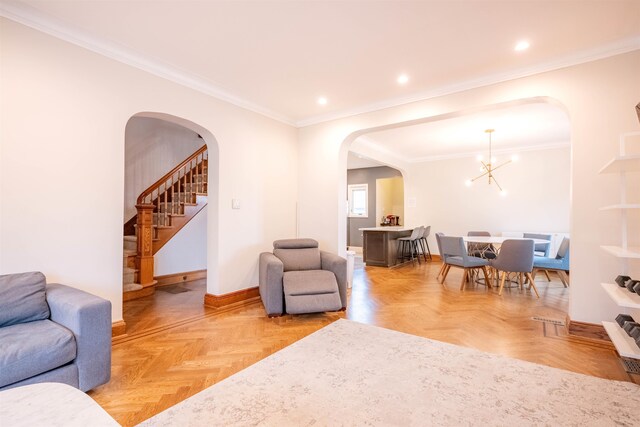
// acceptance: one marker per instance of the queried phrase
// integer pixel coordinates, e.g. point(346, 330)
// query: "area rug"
point(354, 374)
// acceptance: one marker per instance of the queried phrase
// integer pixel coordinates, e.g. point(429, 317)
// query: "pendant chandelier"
point(488, 168)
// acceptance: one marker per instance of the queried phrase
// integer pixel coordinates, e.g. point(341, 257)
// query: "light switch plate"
point(235, 203)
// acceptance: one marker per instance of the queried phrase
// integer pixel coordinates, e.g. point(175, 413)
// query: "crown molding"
point(31, 17)
point(604, 51)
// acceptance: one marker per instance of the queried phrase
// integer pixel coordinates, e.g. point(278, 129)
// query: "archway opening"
point(170, 211)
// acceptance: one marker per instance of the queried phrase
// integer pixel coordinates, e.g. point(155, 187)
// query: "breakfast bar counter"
point(381, 243)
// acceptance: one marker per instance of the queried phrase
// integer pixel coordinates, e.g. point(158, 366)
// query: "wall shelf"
point(624, 344)
point(621, 206)
point(619, 164)
point(622, 296)
point(620, 252)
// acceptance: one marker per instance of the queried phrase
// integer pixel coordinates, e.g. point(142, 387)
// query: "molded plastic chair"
point(454, 253)
point(559, 264)
point(516, 256)
point(482, 250)
point(412, 242)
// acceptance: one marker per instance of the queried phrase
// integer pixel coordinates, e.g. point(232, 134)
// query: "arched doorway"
point(170, 208)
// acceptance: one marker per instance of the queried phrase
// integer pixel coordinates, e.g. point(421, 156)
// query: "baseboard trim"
point(218, 301)
point(587, 330)
point(175, 278)
point(118, 328)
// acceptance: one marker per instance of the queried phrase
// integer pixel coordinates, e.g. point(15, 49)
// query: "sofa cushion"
point(299, 259)
point(29, 349)
point(310, 282)
point(23, 298)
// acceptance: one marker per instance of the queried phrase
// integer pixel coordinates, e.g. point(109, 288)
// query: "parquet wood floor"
point(153, 371)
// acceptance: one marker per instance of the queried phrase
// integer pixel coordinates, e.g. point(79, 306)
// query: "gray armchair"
point(52, 333)
point(300, 278)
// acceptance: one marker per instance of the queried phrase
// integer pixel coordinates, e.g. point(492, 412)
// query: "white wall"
point(64, 110)
point(537, 187)
point(152, 148)
point(599, 98)
point(187, 250)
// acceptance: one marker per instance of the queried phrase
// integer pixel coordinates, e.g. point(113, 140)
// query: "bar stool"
point(412, 243)
point(424, 243)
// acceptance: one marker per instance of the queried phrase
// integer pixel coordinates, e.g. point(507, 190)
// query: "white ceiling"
point(517, 128)
point(357, 161)
point(278, 57)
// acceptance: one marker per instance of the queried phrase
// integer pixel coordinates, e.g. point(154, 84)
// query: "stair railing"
point(164, 198)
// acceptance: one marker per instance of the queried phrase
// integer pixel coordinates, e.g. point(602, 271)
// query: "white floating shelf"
point(622, 164)
point(625, 345)
point(617, 251)
point(621, 206)
point(622, 296)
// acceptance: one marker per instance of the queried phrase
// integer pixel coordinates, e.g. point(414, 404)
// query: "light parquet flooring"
point(153, 371)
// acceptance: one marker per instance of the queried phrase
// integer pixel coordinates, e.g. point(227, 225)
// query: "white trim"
point(498, 152)
point(31, 17)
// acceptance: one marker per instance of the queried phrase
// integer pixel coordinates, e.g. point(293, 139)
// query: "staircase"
point(163, 209)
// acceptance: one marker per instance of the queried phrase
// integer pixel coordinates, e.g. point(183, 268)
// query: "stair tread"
point(130, 238)
point(129, 252)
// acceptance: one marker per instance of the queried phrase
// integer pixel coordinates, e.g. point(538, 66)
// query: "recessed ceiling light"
point(322, 100)
point(522, 45)
point(403, 79)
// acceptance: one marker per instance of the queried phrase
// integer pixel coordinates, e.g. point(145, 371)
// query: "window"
point(358, 197)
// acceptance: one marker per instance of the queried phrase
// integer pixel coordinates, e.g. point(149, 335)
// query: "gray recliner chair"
point(300, 278)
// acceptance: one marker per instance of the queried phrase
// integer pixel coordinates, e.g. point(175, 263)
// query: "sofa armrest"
point(89, 318)
point(270, 275)
point(338, 266)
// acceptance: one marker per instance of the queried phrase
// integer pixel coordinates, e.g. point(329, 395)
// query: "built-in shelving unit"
point(622, 164)
point(625, 345)
point(622, 296)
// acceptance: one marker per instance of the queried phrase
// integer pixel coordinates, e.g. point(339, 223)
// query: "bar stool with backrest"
point(411, 243)
point(454, 253)
point(516, 256)
point(424, 243)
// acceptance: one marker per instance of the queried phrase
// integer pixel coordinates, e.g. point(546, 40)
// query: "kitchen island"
point(381, 243)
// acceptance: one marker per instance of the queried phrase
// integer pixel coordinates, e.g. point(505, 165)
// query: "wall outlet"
point(235, 203)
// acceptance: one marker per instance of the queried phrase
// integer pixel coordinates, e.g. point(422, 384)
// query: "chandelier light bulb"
point(479, 157)
point(468, 183)
point(503, 193)
point(515, 158)
point(493, 160)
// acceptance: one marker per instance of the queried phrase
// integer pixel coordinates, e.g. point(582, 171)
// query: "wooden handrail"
point(168, 175)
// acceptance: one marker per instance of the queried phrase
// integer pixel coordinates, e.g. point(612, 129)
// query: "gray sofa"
point(300, 278)
point(52, 333)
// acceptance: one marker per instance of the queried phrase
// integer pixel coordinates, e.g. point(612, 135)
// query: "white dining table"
point(498, 240)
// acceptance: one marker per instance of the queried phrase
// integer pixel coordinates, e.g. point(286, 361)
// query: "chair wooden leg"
point(534, 272)
point(563, 277)
point(441, 270)
point(546, 273)
point(533, 285)
point(444, 274)
point(465, 272)
point(520, 280)
point(486, 277)
point(503, 277)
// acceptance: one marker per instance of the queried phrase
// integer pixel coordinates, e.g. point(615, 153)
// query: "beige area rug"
point(354, 374)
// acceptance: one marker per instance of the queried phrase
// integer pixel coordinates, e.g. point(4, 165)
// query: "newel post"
point(144, 258)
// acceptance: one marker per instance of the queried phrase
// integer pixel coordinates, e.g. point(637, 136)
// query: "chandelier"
point(488, 168)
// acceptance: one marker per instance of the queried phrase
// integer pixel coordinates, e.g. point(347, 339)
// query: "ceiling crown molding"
point(31, 17)
point(612, 49)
